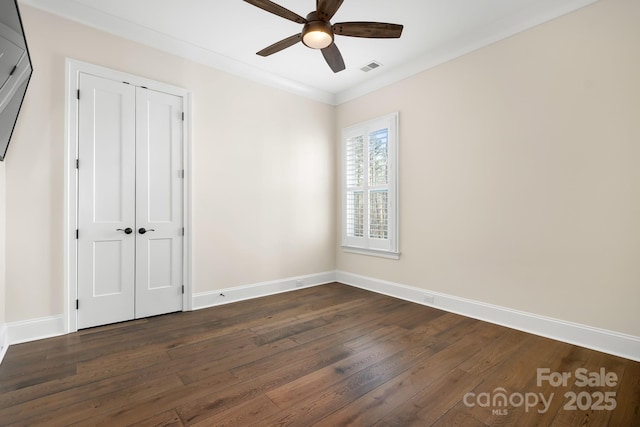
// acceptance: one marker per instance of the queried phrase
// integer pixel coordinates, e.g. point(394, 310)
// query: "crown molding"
point(467, 43)
point(541, 12)
point(91, 17)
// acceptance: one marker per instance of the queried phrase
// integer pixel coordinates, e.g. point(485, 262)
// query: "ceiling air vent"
point(371, 66)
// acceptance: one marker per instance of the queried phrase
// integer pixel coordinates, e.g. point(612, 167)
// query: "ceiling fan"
point(318, 32)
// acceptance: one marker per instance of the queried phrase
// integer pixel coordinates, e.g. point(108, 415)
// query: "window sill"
point(371, 252)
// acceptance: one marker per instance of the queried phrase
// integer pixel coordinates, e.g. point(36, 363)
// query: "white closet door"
point(158, 203)
point(106, 193)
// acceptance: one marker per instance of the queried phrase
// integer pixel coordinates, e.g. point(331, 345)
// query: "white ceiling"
point(226, 34)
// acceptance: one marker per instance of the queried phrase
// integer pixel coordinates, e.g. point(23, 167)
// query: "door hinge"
point(77, 233)
point(183, 289)
point(77, 304)
point(181, 173)
point(183, 231)
point(77, 163)
point(78, 94)
point(183, 116)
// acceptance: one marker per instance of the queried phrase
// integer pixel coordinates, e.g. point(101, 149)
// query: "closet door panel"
point(106, 200)
point(158, 203)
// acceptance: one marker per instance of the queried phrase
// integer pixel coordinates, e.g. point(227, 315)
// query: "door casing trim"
point(73, 68)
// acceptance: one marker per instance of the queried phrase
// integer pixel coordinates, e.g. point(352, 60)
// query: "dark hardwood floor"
point(331, 355)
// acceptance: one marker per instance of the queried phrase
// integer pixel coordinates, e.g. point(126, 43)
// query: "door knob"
point(127, 230)
point(143, 230)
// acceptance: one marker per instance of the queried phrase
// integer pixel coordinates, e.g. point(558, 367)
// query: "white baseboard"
point(618, 344)
point(623, 345)
point(35, 329)
point(4, 341)
point(241, 293)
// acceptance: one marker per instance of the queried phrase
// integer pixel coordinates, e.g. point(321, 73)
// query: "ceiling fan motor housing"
point(317, 33)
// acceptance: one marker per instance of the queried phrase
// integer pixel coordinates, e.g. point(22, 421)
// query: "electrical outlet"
point(428, 298)
point(299, 283)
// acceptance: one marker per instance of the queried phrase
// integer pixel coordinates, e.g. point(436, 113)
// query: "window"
point(369, 187)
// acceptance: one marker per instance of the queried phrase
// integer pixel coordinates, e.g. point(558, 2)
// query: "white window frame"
point(366, 245)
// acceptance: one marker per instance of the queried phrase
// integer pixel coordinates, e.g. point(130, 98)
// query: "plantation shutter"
point(369, 186)
point(355, 186)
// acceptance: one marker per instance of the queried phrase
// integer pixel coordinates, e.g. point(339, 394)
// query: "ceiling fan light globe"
point(317, 39)
point(317, 34)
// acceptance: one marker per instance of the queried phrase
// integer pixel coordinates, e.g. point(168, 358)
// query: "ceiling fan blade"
point(372, 30)
point(333, 57)
point(276, 9)
point(328, 8)
point(282, 44)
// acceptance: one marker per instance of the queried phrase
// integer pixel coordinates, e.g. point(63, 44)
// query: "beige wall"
point(263, 171)
point(519, 182)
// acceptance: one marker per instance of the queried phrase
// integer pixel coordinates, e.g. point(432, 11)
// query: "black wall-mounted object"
point(15, 70)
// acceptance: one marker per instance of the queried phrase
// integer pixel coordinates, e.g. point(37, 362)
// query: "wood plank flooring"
point(331, 355)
